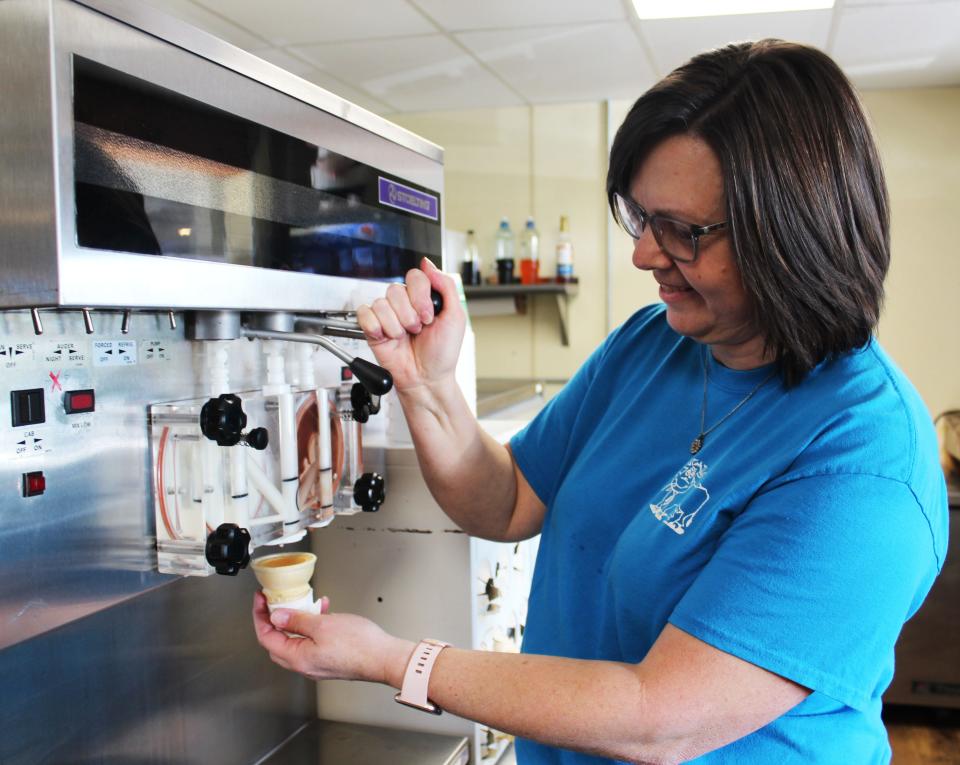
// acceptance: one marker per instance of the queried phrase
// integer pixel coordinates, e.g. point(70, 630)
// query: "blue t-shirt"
point(801, 537)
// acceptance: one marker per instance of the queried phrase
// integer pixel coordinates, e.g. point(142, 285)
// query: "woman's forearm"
point(596, 707)
point(469, 473)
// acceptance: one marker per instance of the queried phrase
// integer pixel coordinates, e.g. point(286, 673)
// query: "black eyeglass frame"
point(694, 232)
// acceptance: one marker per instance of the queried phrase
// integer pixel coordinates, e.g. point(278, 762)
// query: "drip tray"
point(335, 743)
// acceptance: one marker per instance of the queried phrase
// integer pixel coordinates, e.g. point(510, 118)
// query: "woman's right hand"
point(416, 346)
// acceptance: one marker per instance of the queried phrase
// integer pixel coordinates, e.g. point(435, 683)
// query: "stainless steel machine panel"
point(173, 677)
point(44, 46)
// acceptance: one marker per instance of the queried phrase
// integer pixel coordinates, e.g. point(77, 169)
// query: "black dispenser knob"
point(258, 439)
point(375, 379)
point(222, 420)
point(363, 403)
point(370, 492)
point(228, 549)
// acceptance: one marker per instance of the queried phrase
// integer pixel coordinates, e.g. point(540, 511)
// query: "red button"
point(34, 483)
point(78, 401)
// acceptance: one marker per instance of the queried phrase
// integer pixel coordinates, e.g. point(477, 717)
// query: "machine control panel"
point(26, 407)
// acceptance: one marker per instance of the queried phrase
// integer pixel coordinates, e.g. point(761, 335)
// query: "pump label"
point(153, 351)
point(393, 194)
point(114, 353)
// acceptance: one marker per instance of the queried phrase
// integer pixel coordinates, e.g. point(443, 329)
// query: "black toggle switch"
point(26, 407)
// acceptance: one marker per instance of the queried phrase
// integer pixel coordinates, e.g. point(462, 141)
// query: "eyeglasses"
point(678, 240)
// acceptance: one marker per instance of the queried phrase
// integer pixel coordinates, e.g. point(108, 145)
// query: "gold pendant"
point(696, 445)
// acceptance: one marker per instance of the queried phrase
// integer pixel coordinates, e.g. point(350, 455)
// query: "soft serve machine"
point(183, 229)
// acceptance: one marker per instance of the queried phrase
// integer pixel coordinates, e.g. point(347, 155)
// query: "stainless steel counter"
point(335, 743)
point(499, 398)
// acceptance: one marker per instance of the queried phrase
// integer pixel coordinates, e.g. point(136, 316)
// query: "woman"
point(738, 493)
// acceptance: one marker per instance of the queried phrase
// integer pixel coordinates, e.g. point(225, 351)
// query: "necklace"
point(697, 443)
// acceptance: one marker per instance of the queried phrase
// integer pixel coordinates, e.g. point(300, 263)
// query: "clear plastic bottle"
point(529, 254)
point(564, 252)
point(470, 267)
point(504, 253)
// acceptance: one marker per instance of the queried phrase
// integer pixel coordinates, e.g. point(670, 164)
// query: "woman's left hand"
point(333, 646)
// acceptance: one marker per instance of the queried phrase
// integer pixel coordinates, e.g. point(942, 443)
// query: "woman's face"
point(681, 179)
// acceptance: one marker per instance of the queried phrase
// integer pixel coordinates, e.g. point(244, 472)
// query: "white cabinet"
point(410, 569)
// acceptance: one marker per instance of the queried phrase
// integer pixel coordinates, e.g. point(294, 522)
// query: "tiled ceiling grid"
point(393, 56)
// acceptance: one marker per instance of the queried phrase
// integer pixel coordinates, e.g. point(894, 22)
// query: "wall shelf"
point(520, 294)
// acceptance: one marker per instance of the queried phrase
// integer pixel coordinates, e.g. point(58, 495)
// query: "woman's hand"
point(417, 347)
point(333, 646)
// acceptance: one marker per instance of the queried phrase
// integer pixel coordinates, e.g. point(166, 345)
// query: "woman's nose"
point(647, 255)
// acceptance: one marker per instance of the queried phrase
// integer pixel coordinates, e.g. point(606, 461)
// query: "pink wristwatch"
point(413, 692)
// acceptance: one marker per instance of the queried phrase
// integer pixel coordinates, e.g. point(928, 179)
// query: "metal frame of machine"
point(108, 659)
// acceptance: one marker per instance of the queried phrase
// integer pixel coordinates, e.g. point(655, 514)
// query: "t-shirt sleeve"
point(814, 580)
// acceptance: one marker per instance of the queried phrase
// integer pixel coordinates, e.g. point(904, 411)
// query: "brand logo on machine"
point(402, 197)
point(682, 498)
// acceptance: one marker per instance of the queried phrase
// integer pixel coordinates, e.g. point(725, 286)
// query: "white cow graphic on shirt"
point(682, 498)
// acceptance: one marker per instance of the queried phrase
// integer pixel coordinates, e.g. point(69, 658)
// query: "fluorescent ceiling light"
point(684, 9)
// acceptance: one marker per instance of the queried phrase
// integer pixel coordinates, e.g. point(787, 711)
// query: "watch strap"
point(416, 679)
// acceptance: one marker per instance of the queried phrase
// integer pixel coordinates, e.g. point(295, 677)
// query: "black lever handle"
point(437, 299)
point(375, 379)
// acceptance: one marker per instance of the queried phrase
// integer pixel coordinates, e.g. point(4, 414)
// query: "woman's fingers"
point(442, 283)
point(370, 324)
point(387, 317)
point(418, 290)
point(399, 299)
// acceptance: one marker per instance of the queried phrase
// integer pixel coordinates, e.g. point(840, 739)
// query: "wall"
point(544, 161)
point(917, 131)
point(550, 160)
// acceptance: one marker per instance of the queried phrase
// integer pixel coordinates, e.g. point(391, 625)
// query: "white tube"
point(193, 455)
point(277, 386)
point(239, 492)
point(263, 485)
point(211, 501)
point(325, 451)
point(305, 356)
point(289, 475)
point(218, 368)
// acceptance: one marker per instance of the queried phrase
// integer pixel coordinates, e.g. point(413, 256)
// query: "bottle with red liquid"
point(529, 254)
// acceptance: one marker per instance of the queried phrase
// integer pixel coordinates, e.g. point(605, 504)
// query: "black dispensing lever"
point(374, 378)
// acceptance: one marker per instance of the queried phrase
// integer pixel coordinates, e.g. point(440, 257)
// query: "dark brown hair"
point(805, 193)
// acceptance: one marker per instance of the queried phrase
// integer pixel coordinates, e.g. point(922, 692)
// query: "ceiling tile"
point(289, 22)
point(208, 22)
point(675, 41)
point(413, 73)
point(899, 45)
point(590, 62)
point(295, 65)
point(508, 14)
point(370, 59)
